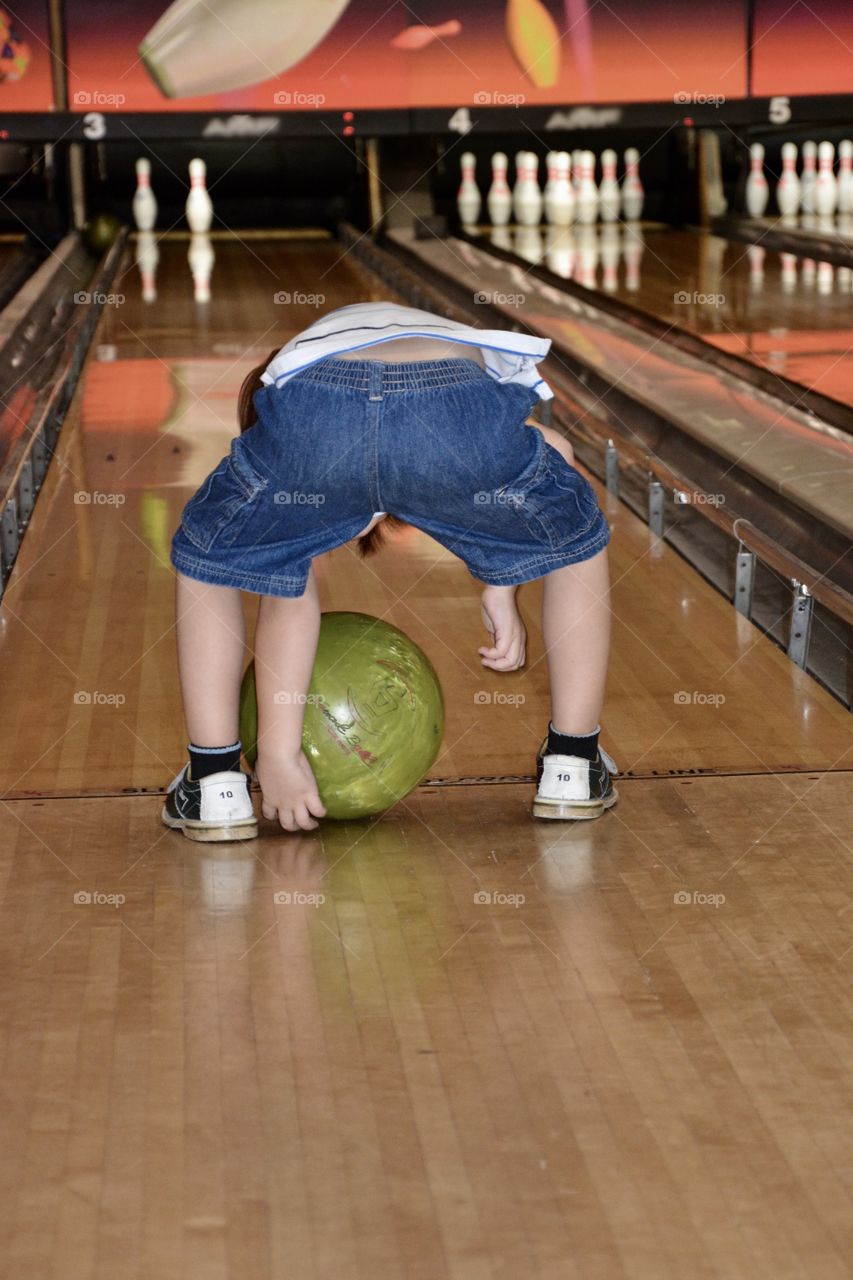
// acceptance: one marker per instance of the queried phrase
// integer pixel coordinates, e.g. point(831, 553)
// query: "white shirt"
point(506, 356)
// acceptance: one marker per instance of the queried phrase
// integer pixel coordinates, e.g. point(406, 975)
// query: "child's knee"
point(560, 443)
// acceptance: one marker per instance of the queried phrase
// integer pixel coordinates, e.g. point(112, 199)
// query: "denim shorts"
point(438, 443)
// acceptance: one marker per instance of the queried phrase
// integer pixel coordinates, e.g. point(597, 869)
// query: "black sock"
point(584, 745)
point(207, 760)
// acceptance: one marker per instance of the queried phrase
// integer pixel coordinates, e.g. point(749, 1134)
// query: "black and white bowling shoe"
point(571, 787)
point(218, 808)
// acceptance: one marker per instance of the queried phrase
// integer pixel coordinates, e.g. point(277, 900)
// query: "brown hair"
point(368, 543)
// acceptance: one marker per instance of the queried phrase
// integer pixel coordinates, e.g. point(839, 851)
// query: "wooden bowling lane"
point(457, 1044)
point(785, 313)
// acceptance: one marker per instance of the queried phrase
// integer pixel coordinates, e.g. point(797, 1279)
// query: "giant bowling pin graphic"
point(211, 46)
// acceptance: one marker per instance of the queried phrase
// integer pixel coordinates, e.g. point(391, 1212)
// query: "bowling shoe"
point(218, 807)
point(571, 787)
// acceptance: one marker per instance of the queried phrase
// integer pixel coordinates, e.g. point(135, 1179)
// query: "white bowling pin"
point(199, 207)
point(756, 183)
point(527, 198)
point(147, 257)
point(809, 178)
point(586, 203)
point(560, 209)
point(576, 170)
point(144, 201)
point(201, 258)
point(499, 199)
point(788, 192)
point(212, 46)
point(632, 188)
point(826, 188)
point(468, 196)
point(845, 176)
point(608, 190)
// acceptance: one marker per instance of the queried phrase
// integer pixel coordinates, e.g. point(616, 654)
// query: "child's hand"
point(289, 790)
point(502, 619)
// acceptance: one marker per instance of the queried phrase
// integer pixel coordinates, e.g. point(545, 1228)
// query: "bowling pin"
point(756, 183)
point(147, 257)
point(201, 258)
point(586, 204)
point(144, 201)
point(608, 191)
point(809, 178)
point(826, 188)
point(845, 176)
point(468, 197)
point(788, 191)
point(527, 198)
point(632, 188)
point(212, 46)
point(576, 170)
point(199, 207)
point(807, 275)
point(499, 199)
point(562, 202)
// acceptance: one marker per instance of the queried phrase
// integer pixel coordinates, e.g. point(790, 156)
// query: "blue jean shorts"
point(438, 443)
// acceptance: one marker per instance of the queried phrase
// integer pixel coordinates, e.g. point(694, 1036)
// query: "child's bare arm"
point(509, 637)
point(285, 646)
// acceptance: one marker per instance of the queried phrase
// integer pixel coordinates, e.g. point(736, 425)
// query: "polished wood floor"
point(447, 1043)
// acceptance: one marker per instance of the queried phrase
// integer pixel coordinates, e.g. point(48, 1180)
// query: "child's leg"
point(576, 632)
point(211, 647)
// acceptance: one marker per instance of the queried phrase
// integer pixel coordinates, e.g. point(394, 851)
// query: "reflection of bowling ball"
point(101, 231)
point(374, 715)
